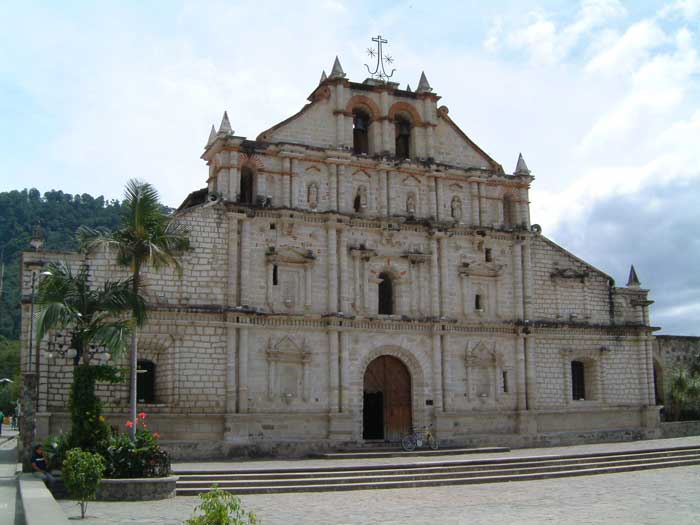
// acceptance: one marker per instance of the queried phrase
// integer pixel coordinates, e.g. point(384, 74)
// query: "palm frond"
point(113, 336)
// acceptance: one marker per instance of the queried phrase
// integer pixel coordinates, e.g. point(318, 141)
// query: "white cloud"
point(632, 47)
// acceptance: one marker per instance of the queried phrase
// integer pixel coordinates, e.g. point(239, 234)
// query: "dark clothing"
point(40, 462)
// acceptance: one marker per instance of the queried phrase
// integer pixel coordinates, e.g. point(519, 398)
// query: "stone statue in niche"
point(362, 193)
point(312, 196)
point(411, 204)
point(456, 208)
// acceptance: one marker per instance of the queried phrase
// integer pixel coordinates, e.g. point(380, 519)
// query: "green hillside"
point(59, 215)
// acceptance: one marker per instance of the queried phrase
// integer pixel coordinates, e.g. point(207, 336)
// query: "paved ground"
point(8, 482)
point(646, 497)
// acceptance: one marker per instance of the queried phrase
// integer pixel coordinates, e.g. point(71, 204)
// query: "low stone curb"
point(137, 489)
point(38, 503)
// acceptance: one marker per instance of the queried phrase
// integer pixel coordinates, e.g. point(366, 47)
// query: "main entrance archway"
point(386, 400)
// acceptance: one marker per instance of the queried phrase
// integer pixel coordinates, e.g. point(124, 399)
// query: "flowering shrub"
point(141, 458)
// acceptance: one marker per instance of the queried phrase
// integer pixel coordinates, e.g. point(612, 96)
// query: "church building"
point(362, 268)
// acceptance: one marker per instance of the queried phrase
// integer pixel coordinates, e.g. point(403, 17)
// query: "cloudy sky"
point(602, 97)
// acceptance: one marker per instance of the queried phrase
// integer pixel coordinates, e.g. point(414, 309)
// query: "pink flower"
point(142, 415)
point(129, 424)
point(156, 435)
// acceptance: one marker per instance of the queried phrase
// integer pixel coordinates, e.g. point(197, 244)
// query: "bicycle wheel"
point(408, 443)
point(432, 442)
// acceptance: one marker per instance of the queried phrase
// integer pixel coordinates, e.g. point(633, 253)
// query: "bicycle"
point(418, 437)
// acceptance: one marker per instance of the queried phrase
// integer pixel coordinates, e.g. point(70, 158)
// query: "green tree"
point(9, 369)
point(91, 316)
point(82, 473)
point(684, 394)
point(65, 301)
point(147, 236)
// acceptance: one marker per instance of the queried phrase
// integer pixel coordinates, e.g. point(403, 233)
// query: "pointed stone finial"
point(408, 87)
point(324, 77)
point(633, 280)
point(212, 136)
point(337, 71)
point(225, 126)
point(521, 168)
point(423, 84)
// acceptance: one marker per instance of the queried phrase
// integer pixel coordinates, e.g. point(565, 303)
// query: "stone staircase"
point(432, 473)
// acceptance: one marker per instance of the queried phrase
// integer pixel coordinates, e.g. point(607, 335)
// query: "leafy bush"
point(221, 508)
point(141, 458)
point(82, 472)
point(684, 395)
point(56, 448)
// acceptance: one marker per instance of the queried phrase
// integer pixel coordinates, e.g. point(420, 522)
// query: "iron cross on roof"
point(379, 71)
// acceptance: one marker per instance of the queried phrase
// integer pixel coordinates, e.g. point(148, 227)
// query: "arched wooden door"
point(387, 400)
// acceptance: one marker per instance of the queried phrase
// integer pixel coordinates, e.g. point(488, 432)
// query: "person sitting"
point(40, 466)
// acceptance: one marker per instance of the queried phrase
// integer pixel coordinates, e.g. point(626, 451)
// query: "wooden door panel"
point(389, 375)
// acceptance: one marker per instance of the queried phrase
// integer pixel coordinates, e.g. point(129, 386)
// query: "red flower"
point(129, 424)
point(156, 435)
point(142, 415)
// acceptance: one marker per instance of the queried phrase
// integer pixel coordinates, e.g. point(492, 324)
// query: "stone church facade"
point(363, 267)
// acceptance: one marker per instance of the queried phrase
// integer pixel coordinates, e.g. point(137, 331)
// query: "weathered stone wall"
point(672, 352)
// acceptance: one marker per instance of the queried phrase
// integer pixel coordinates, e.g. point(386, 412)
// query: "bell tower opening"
point(360, 132)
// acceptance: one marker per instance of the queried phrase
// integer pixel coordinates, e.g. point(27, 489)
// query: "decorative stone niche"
point(484, 372)
point(480, 279)
point(288, 278)
point(287, 370)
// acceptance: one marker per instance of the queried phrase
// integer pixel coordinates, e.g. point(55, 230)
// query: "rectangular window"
point(487, 255)
point(274, 275)
point(478, 306)
point(578, 381)
point(505, 382)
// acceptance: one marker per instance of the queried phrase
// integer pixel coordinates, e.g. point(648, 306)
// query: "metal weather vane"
point(379, 71)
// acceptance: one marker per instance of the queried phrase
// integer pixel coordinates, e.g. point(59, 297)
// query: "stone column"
point(243, 370)
point(343, 293)
point(286, 181)
point(434, 280)
point(439, 200)
point(344, 403)
point(474, 204)
point(383, 193)
point(483, 217)
point(527, 281)
point(520, 372)
point(444, 277)
point(294, 166)
point(388, 145)
point(340, 115)
point(344, 204)
point(333, 372)
point(389, 192)
point(357, 299)
point(438, 374)
point(530, 372)
point(517, 281)
point(244, 294)
point(231, 335)
point(332, 269)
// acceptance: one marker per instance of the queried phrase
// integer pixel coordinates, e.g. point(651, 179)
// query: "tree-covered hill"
point(59, 215)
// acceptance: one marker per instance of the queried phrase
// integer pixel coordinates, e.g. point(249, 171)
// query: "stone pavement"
point(8, 481)
point(644, 497)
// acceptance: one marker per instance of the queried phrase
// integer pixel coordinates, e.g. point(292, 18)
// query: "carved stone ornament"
point(456, 208)
point(287, 365)
point(312, 196)
point(480, 269)
point(411, 204)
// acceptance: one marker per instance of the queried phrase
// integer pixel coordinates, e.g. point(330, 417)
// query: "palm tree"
point(91, 316)
point(147, 236)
